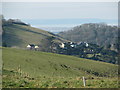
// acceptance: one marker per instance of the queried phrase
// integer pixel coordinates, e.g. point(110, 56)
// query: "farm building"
point(62, 45)
point(32, 46)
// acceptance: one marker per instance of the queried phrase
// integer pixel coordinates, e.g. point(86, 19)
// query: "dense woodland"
point(96, 33)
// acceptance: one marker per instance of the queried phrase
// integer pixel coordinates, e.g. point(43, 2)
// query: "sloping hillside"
point(21, 35)
point(96, 33)
point(33, 69)
point(40, 63)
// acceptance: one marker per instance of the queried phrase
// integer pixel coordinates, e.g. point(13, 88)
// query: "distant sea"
point(56, 30)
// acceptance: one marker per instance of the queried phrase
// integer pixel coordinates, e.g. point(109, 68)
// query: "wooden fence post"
point(84, 82)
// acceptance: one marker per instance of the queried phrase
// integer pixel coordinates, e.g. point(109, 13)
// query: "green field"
point(25, 68)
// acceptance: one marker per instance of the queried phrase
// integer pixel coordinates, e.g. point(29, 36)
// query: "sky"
point(61, 14)
point(60, 0)
point(53, 10)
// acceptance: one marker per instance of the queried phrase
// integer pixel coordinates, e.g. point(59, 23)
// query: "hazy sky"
point(61, 13)
point(60, 0)
point(41, 10)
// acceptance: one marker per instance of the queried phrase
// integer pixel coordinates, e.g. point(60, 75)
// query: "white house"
point(36, 47)
point(71, 42)
point(79, 43)
point(73, 45)
point(87, 44)
point(62, 45)
point(30, 46)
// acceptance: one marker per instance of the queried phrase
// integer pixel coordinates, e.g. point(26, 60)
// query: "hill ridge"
point(24, 35)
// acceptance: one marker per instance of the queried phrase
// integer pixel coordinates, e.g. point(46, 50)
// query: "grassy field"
point(25, 68)
point(13, 79)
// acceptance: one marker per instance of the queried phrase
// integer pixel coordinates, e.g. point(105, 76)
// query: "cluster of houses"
point(83, 43)
point(61, 45)
point(73, 45)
